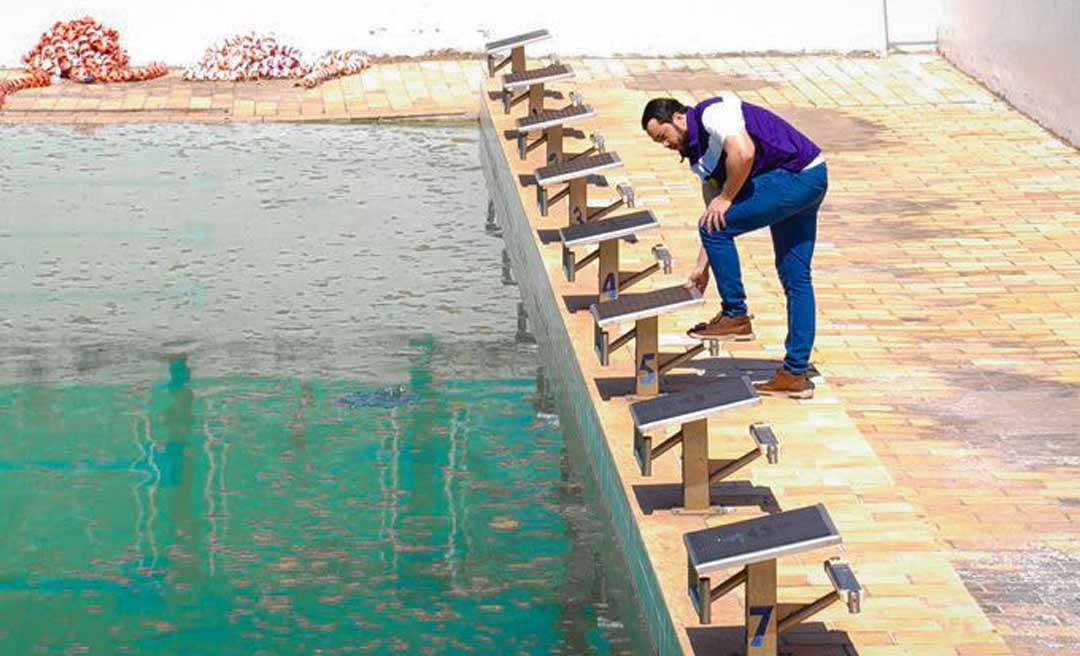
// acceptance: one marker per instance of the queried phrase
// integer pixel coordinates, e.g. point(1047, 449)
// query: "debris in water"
point(392, 396)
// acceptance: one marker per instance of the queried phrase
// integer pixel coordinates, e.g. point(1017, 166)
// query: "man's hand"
point(699, 278)
point(713, 218)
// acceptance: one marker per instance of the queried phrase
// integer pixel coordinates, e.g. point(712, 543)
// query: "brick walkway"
point(398, 90)
point(946, 273)
point(948, 282)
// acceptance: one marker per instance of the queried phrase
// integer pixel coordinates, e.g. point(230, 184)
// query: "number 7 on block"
point(764, 612)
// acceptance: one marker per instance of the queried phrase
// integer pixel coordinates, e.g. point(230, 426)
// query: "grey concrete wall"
point(1029, 52)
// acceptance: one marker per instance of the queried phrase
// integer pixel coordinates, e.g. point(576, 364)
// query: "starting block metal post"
point(639, 308)
point(551, 124)
point(695, 464)
point(516, 45)
point(575, 175)
point(646, 354)
point(754, 546)
point(606, 235)
point(578, 201)
point(689, 410)
point(529, 85)
point(761, 635)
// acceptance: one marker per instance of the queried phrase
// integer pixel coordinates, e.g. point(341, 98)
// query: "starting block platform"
point(635, 307)
point(532, 82)
point(690, 410)
point(617, 227)
point(577, 169)
point(606, 234)
point(551, 123)
point(755, 545)
point(516, 45)
point(575, 175)
point(644, 310)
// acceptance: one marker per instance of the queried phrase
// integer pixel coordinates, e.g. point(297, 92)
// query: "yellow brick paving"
point(411, 89)
point(944, 440)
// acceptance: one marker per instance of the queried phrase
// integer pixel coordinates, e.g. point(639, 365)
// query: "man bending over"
point(756, 171)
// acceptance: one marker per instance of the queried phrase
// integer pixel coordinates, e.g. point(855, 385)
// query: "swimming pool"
point(261, 392)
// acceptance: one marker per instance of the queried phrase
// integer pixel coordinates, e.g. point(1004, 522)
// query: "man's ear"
point(678, 119)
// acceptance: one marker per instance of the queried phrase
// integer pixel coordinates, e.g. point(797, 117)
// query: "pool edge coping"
point(551, 332)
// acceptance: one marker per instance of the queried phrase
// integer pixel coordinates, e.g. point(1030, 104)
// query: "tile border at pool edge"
point(550, 330)
point(143, 117)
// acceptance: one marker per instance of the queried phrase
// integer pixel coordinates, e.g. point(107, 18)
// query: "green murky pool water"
point(262, 390)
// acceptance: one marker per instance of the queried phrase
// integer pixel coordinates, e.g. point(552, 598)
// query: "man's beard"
point(684, 148)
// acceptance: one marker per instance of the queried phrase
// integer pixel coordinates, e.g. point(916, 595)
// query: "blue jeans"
point(788, 203)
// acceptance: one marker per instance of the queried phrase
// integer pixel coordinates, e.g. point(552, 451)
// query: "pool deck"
point(410, 89)
point(944, 438)
point(947, 289)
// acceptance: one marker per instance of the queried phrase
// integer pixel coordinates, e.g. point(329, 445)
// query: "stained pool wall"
point(568, 382)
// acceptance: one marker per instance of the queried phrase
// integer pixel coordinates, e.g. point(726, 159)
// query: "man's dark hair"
point(662, 109)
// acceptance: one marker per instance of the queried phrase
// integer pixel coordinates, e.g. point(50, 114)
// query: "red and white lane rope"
point(334, 64)
point(262, 57)
point(81, 50)
point(35, 79)
point(86, 51)
point(248, 57)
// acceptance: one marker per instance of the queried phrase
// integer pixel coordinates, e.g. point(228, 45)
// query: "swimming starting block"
point(532, 82)
point(516, 45)
point(644, 310)
point(575, 175)
point(550, 124)
point(754, 546)
point(606, 235)
point(690, 410)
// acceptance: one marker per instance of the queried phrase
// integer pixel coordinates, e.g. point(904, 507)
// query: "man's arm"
point(699, 275)
point(739, 151)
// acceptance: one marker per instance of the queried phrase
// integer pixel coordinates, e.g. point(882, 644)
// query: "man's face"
point(669, 135)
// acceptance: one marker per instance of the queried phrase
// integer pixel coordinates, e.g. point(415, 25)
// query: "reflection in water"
point(260, 513)
point(145, 491)
point(182, 473)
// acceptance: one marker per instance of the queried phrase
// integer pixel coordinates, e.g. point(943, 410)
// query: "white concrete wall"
point(177, 32)
point(913, 21)
point(1028, 51)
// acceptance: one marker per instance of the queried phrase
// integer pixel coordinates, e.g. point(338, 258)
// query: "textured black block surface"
point(616, 227)
point(516, 40)
point(697, 401)
point(579, 167)
point(629, 307)
point(760, 539)
point(549, 73)
point(551, 117)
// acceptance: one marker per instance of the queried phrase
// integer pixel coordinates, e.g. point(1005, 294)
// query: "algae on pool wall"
point(577, 408)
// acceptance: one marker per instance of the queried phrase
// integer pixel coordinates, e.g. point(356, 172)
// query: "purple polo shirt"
point(777, 145)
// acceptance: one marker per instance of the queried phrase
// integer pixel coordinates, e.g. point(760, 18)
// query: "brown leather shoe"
point(785, 383)
point(725, 328)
